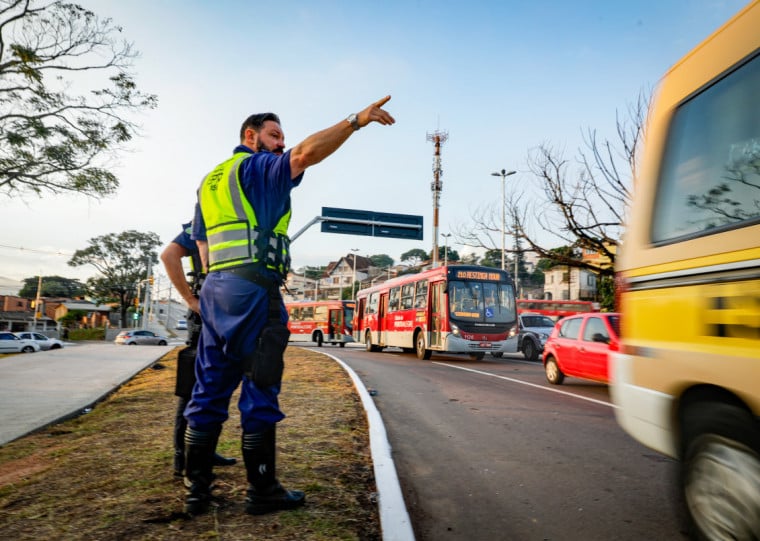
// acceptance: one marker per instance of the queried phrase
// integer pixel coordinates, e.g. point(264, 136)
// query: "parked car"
point(580, 346)
point(45, 342)
point(181, 325)
point(10, 343)
point(140, 338)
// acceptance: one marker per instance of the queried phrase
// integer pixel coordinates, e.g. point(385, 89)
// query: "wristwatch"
point(354, 121)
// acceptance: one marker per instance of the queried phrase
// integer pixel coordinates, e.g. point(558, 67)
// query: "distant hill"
point(10, 287)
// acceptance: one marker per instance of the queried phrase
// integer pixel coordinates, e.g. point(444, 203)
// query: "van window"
point(710, 180)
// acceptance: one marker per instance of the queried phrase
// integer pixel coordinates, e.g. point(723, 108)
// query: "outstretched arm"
point(320, 145)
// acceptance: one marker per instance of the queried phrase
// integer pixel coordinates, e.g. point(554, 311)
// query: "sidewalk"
point(31, 392)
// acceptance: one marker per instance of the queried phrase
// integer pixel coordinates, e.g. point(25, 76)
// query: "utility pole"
point(147, 288)
point(438, 138)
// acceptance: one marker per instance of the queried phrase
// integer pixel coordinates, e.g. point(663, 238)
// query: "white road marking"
point(594, 400)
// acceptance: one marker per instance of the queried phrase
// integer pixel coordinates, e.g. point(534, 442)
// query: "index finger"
point(382, 101)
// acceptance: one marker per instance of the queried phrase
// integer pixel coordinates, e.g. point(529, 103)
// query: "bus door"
point(382, 328)
point(335, 325)
point(437, 313)
point(359, 320)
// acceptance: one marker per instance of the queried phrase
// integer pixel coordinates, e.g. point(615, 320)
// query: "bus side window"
point(407, 296)
point(295, 314)
point(394, 303)
point(420, 298)
point(307, 313)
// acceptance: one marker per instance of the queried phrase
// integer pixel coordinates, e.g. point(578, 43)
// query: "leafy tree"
point(453, 255)
point(52, 138)
point(606, 293)
point(492, 258)
point(415, 256)
point(381, 261)
point(52, 286)
point(122, 260)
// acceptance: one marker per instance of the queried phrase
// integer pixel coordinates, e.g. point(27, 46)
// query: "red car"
point(579, 346)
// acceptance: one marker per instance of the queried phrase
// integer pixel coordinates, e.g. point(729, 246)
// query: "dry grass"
point(107, 475)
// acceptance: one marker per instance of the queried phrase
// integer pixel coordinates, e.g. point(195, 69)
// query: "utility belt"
point(252, 274)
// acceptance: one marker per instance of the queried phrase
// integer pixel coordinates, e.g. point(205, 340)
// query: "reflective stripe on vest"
point(233, 235)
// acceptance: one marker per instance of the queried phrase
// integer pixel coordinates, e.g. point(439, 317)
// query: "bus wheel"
point(318, 338)
point(530, 350)
point(342, 344)
point(419, 342)
point(553, 374)
point(720, 476)
point(368, 342)
point(477, 356)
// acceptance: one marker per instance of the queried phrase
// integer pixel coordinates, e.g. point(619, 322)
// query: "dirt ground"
point(107, 475)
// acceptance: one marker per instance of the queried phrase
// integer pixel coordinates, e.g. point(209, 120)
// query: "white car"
point(45, 342)
point(181, 325)
point(10, 343)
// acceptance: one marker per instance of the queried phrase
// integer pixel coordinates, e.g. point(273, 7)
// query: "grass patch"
point(107, 475)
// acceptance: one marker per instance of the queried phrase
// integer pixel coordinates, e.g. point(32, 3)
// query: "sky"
point(499, 77)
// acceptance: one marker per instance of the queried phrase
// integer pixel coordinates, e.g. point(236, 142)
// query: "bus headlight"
point(454, 330)
point(513, 332)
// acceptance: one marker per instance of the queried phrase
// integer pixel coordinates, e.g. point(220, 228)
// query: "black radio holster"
point(265, 365)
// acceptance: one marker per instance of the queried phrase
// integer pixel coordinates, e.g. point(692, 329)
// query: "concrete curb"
point(394, 517)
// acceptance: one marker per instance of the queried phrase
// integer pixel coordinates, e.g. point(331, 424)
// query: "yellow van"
point(686, 381)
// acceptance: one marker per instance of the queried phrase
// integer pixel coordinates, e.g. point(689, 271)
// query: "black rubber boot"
point(265, 494)
point(199, 457)
point(219, 460)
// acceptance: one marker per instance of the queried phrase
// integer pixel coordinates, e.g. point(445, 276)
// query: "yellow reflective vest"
point(233, 234)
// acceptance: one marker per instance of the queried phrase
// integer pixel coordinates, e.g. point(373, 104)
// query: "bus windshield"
point(487, 302)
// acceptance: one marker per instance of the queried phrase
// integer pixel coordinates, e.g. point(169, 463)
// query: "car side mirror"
point(599, 337)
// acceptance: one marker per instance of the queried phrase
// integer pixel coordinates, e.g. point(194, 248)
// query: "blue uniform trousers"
point(234, 312)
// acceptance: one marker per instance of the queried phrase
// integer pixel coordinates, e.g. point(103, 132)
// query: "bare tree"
point(52, 138)
point(584, 201)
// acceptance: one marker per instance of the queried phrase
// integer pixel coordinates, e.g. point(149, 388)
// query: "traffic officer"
point(244, 207)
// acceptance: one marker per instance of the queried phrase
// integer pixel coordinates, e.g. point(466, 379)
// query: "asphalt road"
point(488, 450)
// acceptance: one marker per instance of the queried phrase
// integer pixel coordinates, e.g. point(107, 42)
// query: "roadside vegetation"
point(107, 474)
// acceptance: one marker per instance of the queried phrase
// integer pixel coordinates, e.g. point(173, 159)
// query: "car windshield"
point(537, 321)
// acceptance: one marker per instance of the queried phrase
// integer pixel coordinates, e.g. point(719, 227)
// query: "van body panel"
point(686, 379)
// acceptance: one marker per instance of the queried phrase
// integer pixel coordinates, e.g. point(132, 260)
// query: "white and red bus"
point(449, 309)
point(321, 321)
point(555, 309)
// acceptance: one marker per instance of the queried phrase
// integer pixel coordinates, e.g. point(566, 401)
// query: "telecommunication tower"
point(438, 138)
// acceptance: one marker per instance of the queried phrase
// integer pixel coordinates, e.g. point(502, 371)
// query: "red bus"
point(555, 309)
point(321, 321)
point(451, 309)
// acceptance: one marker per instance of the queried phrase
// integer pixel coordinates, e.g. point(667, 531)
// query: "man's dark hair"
point(256, 122)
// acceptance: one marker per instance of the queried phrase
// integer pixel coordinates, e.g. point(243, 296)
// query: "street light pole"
point(445, 248)
point(353, 281)
point(504, 174)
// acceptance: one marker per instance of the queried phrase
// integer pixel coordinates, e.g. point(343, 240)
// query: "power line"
point(32, 250)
